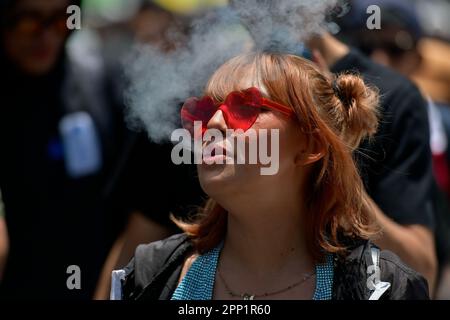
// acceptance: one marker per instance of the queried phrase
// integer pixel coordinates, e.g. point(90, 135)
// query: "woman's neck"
point(265, 237)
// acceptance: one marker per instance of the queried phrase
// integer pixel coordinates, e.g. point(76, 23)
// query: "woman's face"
point(281, 152)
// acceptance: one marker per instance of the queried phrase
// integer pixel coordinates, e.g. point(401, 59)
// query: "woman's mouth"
point(215, 155)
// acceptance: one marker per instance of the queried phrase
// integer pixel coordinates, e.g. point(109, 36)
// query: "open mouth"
point(217, 155)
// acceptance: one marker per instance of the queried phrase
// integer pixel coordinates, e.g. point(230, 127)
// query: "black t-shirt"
point(150, 183)
point(396, 165)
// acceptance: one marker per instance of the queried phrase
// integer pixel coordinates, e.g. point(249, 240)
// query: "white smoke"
point(284, 24)
point(160, 81)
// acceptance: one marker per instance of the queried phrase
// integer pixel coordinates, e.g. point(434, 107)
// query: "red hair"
point(337, 112)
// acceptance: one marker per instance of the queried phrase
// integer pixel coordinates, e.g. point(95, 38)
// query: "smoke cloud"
point(161, 81)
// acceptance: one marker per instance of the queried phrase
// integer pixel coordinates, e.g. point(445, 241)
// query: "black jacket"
point(154, 271)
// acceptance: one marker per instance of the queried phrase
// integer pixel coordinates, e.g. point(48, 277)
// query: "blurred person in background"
point(58, 143)
point(4, 241)
point(396, 45)
point(396, 163)
point(147, 185)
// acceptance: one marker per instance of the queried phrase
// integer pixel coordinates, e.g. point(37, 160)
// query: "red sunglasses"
point(240, 109)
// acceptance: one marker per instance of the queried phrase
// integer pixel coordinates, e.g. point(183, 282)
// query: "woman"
point(299, 234)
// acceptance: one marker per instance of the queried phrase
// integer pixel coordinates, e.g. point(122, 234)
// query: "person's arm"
point(327, 50)
point(403, 188)
point(414, 244)
point(104, 282)
point(4, 245)
point(139, 229)
point(4, 239)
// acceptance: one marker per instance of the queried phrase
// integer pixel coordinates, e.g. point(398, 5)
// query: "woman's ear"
point(314, 151)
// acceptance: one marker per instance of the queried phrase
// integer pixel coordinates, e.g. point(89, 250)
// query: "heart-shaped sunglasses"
point(240, 109)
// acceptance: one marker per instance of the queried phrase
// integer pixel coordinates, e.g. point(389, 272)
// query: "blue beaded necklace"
point(198, 283)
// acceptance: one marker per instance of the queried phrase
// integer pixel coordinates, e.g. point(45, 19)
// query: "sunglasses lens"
point(197, 110)
point(242, 109)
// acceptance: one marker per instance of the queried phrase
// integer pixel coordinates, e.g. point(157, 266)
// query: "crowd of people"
point(364, 164)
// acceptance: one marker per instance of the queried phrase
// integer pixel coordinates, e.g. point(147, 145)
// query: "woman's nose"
point(217, 121)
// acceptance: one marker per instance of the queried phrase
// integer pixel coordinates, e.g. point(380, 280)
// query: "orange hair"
point(337, 117)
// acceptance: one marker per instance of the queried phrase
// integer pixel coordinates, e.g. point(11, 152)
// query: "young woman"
point(301, 233)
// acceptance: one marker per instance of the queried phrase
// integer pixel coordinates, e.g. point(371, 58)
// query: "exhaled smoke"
point(282, 25)
point(160, 81)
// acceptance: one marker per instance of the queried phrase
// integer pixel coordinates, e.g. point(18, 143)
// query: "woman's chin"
point(216, 177)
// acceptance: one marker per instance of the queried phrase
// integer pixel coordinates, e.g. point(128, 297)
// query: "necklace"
point(247, 296)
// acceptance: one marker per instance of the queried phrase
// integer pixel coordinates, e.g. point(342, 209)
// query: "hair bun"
point(360, 103)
